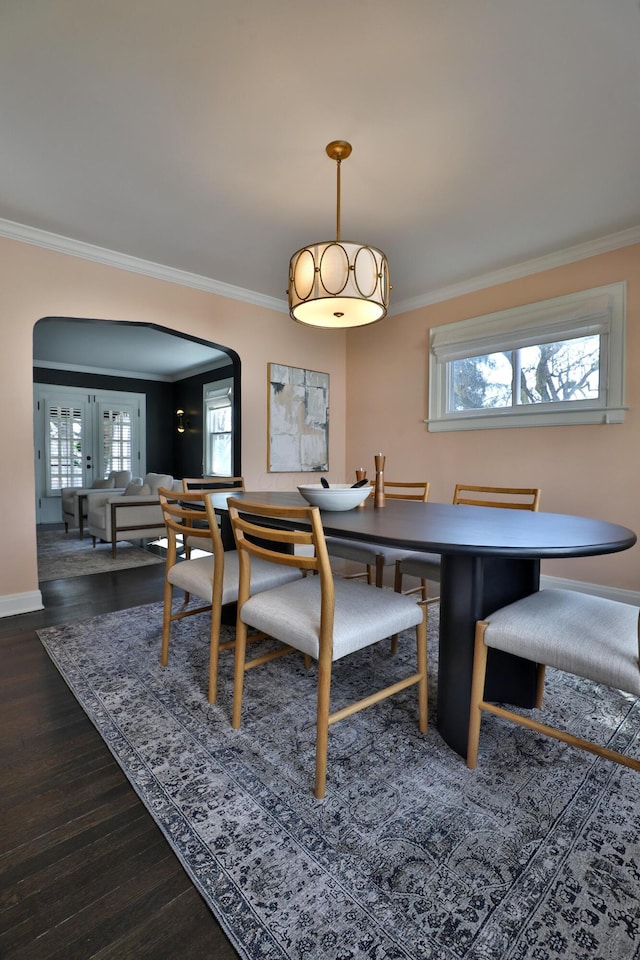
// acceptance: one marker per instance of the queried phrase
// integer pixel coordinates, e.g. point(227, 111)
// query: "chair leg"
point(397, 586)
point(477, 694)
point(214, 652)
point(370, 577)
point(421, 649)
point(238, 674)
point(379, 570)
point(166, 622)
point(322, 726)
point(540, 684)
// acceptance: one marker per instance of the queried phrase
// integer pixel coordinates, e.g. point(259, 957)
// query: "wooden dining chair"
point(212, 484)
point(587, 636)
point(426, 566)
point(212, 577)
point(509, 498)
point(377, 556)
point(324, 618)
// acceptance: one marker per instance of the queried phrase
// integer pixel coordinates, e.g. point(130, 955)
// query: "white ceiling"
point(133, 350)
point(192, 134)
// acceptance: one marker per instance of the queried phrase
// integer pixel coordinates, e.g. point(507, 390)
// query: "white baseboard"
point(14, 603)
point(596, 589)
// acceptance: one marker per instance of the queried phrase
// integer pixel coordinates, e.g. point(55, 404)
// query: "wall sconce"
point(180, 416)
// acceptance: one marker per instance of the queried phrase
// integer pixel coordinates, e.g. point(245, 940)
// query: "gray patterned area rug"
point(535, 854)
point(63, 555)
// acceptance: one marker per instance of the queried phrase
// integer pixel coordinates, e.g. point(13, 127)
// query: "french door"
point(80, 437)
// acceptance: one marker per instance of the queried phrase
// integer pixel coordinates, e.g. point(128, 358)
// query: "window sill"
point(560, 418)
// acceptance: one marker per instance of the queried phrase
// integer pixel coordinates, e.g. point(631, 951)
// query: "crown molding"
point(208, 367)
point(102, 371)
point(111, 258)
point(592, 248)
point(87, 251)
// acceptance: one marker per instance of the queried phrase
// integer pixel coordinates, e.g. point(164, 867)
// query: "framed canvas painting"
point(297, 420)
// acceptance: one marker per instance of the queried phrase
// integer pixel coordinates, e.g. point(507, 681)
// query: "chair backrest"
point(396, 490)
point(256, 536)
point(196, 522)
point(212, 483)
point(510, 498)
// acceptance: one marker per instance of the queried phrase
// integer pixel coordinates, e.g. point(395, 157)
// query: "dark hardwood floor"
point(85, 872)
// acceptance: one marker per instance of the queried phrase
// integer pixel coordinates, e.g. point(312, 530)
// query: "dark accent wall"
point(167, 450)
point(188, 446)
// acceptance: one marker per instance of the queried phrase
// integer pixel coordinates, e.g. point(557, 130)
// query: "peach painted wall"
point(35, 283)
point(587, 470)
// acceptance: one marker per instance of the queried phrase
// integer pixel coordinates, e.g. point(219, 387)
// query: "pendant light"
point(338, 283)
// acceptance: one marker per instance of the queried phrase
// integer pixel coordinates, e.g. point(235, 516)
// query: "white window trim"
point(601, 310)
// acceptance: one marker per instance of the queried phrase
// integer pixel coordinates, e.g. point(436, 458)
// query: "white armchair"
point(131, 515)
point(73, 500)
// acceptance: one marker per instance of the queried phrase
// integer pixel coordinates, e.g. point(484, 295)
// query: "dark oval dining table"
point(490, 557)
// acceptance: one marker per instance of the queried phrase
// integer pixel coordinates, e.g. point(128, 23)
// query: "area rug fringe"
point(411, 856)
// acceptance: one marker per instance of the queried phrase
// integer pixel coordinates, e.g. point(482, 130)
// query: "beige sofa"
point(131, 515)
point(73, 500)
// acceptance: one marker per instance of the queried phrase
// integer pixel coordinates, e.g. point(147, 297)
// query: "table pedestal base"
point(472, 587)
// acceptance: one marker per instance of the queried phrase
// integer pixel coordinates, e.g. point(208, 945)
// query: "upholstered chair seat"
point(591, 637)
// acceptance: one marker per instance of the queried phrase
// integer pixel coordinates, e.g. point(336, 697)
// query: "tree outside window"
point(549, 363)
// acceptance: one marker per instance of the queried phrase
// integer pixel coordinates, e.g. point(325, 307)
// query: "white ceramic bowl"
point(339, 496)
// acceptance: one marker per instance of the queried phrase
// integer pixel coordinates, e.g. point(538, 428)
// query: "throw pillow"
point(103, 484)
point(137, 490)
point(121, 477)
point(155, 480)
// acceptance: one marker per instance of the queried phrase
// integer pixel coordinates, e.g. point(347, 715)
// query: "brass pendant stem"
point(338, 201)
point(338, 150)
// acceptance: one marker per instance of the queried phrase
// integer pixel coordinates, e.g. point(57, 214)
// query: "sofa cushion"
point(137, 489)
point(121, 477)
point(155, 480)
point(107, 484)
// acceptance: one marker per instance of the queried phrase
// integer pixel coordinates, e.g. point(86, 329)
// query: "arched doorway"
point(168, 368)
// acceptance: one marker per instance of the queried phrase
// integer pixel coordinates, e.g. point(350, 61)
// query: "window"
point(117, 439)
point(64, 446)
point(559, 361)
point(218, 431)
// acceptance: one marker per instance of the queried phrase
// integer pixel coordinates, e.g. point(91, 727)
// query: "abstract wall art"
point(297, 420)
